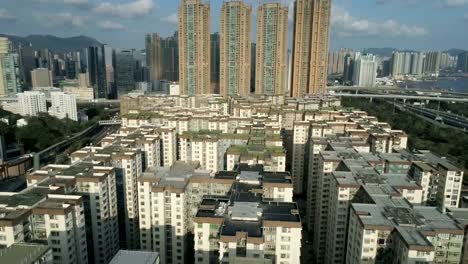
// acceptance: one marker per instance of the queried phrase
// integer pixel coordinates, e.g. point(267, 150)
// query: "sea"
point(451, 84)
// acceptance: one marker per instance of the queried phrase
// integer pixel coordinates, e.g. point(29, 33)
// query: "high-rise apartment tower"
point(272, 43)
point(310, 48)
point(194, 47)
point(236, 38)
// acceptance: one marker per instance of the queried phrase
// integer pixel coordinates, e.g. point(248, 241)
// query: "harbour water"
point(451, 84)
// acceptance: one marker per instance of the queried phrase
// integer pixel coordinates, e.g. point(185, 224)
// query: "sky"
point(357, 24)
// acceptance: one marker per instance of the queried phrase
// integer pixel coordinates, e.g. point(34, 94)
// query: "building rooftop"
point(433, 158)
point(385, 215)
point(27, 197)
point(23, 253)
point(135, 257)
point(412, 237)
point(10, 217)
point(243, 208)
point(175, 176)
point(460, 215)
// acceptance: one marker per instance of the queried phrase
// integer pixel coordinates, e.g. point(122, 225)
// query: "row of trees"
point(44, 130)
point(423, 135)
point(455, 108)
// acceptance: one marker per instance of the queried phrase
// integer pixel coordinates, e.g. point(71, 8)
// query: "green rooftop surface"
point(26, 198)
point(22, 253)
point(142, 115)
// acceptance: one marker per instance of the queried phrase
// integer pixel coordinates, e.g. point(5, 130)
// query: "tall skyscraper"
point(462, 63)
point(336, 61)
point(124, 71)
point(71, 69)
point(348, 68)
point(45, 59)
point(170, 46)
point(28, 63)
point(109, 58)
point(432, 63)
point(215, 62)
point(41, 77)
point(310, 48)
point(194, 47)
point(236, 38)
point(447, 61)
point(141, 71)
point(253, 66)
point(272, 42)
point(154, 56)
point(96, 68)
point(365, 71)
point(332, 62)
point(417, 61)
point(397, 64)
point(4, 45)
point(407, 63)
point(83, 80)
point(10, 83)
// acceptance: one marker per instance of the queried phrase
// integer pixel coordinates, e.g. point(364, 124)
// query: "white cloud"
point(402, 2)
point(110, 25)
point(78, 3)
point(452, 3)
point(60, 19)
point(171, 19)
point(128, 10)
point(5, 15)
point(345, 25)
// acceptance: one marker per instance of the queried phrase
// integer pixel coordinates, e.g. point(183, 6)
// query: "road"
point(392, 89)
point(407, 97)
point(433, 116)
point(448, 119)
point(95, 132)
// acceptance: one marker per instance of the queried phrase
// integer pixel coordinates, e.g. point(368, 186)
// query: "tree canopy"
point(423, 135)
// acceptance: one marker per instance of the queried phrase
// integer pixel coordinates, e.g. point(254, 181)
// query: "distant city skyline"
point(402, 24)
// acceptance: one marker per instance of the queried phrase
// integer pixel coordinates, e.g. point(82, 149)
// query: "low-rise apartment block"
point(97, 186)
point(255, 221)
point(393, 231)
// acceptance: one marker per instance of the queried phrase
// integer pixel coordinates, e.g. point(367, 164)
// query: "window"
point(285, 247)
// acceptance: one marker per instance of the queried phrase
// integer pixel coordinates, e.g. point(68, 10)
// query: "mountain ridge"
point(54, 43)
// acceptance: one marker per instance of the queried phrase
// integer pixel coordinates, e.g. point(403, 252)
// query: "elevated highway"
point(406, 97)
point(441, 117)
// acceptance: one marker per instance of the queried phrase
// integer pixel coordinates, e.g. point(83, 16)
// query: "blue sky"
point(405, 24)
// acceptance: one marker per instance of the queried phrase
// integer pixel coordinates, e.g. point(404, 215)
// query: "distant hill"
point(387, 52)
point(382, 52)
point(455, 52)
point(53, 43)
